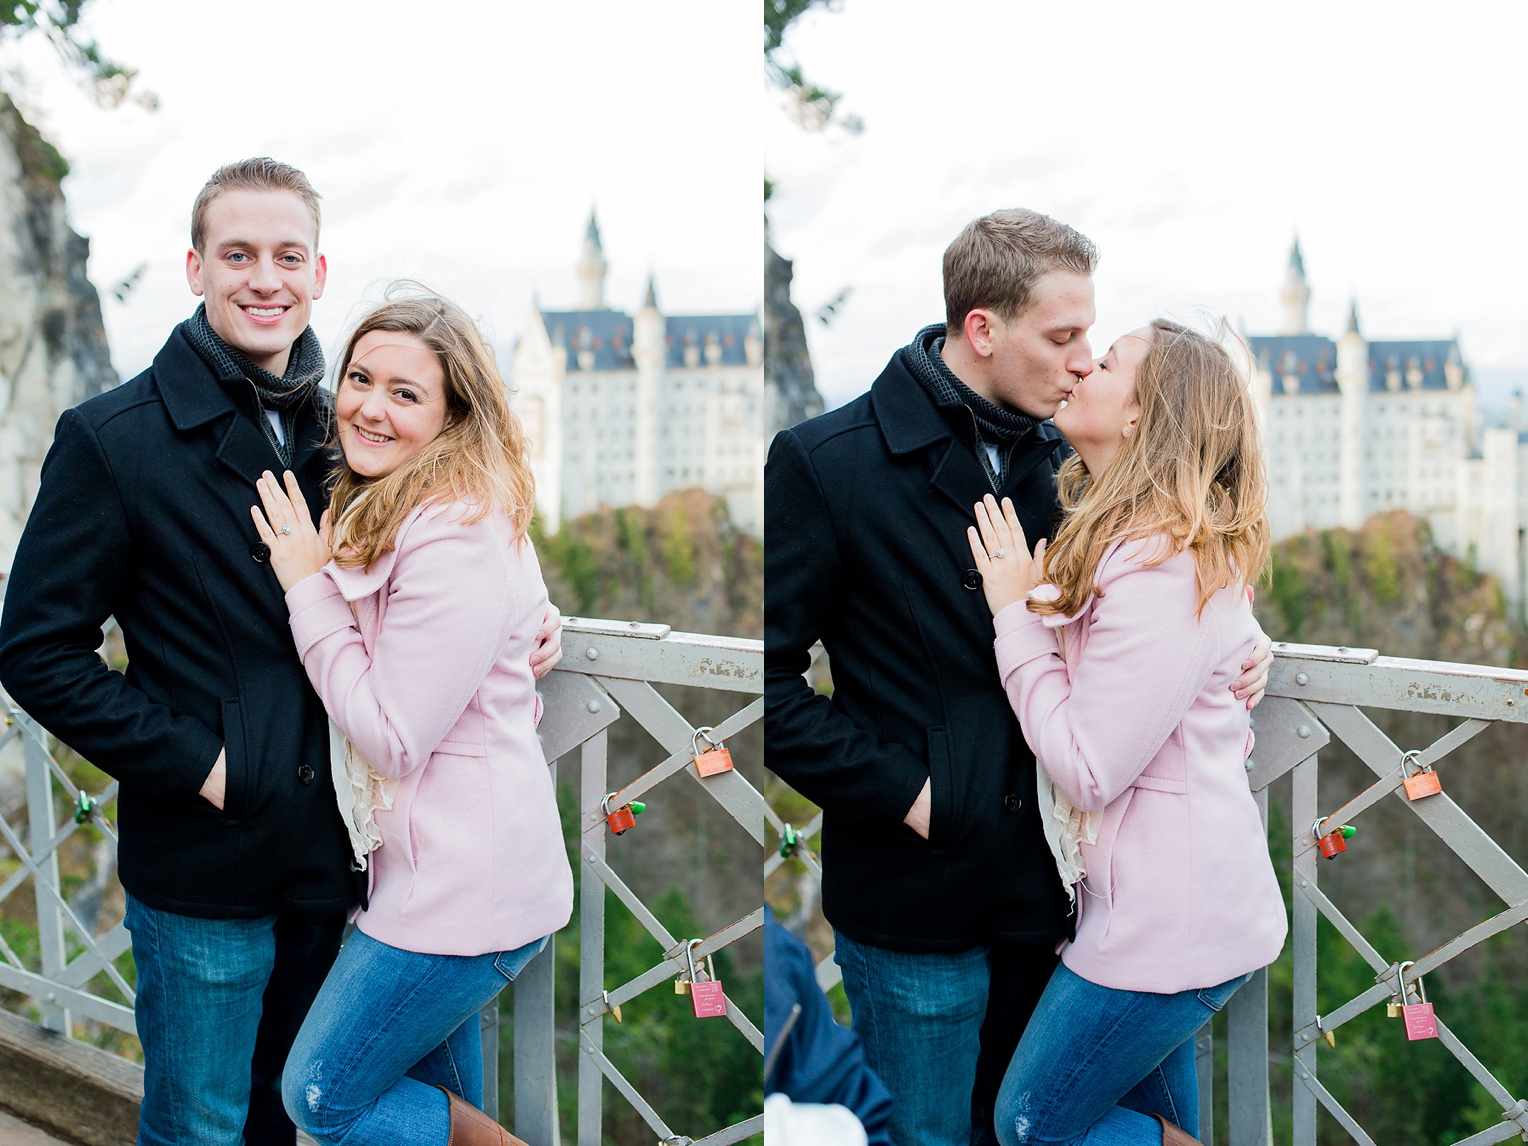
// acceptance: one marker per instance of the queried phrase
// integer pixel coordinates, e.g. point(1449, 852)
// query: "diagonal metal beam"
point(1447, 820)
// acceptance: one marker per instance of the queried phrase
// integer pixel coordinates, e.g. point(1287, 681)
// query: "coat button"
point(260, 551)
point(305, 773)
point(972, 579)
point(1013, 802)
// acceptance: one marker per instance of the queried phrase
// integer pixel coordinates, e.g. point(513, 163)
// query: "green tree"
point(816, 107)
point(59, 20)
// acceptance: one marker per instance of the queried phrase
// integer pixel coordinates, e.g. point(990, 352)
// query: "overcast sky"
point(1190, 141)
point(462, 144)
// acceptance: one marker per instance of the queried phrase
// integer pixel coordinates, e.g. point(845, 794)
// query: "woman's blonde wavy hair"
point(1192, 472)
point(478, 457)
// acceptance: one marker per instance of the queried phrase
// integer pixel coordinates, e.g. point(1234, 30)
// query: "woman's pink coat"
point(430, 679)
point(1139, 724)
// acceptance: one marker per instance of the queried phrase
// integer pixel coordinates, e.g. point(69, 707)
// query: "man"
point(943, 896)
point(234, 857)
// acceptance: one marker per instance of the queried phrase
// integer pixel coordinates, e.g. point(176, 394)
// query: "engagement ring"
point(1000, 554)
point(285, 529)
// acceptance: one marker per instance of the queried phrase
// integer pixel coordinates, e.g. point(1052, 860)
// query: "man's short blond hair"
point(260, 174)
point(995, 262)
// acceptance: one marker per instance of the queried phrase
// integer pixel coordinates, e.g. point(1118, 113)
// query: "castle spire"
point(1296, 294)
point(1353, 316)
point(591, 269)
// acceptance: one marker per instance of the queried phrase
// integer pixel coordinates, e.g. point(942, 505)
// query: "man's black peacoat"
point(144, 514)
point(866, 509)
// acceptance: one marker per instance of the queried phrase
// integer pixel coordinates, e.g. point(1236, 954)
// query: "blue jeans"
point(218, 1004)
point(938, 1029)
point(388, 1027)
point(1095, 1063)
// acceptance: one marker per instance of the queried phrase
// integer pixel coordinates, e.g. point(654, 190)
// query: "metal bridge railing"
point(607, 667)
point(1316, 694)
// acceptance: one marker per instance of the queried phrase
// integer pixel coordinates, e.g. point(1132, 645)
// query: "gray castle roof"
point(608, 334)
point(1312, 359)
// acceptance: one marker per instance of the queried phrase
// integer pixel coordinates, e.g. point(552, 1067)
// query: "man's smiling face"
point(259, 272)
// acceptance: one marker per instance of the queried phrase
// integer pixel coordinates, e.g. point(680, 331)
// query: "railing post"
point(1251, 1121)
point(536, 1046)
point(42, 825)
point(591, 942)
point(488, 1031)
point(1204, 1068)
point(1303, 939)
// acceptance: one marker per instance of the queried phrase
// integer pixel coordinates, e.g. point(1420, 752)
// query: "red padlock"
point(713, 760)
point(1333, 843)
point(620, 821)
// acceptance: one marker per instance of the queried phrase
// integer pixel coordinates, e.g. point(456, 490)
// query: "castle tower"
point(1296, 294)
point(649, 348)
point(591, 269)
point(1353, 382)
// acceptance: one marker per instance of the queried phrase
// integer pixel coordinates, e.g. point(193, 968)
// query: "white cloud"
point(463, 145)
point(1190, 140)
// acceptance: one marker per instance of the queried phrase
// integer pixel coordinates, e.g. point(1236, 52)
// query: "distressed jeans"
point(218, 1004)
point(387, 1028)
point(1095, 1063)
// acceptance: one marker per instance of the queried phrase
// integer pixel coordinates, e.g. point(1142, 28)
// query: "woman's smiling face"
point(391, 402)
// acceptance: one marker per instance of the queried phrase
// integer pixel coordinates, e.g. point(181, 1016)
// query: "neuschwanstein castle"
point(1356, 427)
point(620, 409)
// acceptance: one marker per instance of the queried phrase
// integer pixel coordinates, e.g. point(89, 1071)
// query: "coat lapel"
point(245, 450)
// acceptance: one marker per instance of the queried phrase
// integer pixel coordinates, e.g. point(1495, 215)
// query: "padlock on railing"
point(715, 759)
point(622, 819)
point(1421, 1023)
point(789, 841)
point(706, 996)
point(83, 807)
point(1335, 842)
point(1421, 783)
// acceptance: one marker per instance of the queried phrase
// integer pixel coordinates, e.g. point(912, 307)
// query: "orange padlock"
point(714, 759)
point(1418, 784)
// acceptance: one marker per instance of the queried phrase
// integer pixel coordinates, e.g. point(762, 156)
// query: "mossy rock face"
point(41, 162)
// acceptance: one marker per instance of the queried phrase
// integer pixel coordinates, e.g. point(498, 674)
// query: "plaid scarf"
point(305, 367)
point(995, 426)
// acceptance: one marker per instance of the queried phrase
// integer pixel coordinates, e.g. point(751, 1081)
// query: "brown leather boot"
point(1171, 1135)
point(471, 1127)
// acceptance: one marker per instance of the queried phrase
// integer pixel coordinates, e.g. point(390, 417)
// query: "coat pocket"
point(942, 826)
point(235, 760)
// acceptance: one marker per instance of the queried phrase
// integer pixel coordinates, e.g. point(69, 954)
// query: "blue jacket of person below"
point(810, 1058)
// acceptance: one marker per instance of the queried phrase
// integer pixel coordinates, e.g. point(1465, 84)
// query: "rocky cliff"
point(790, 389)
point(53, 351)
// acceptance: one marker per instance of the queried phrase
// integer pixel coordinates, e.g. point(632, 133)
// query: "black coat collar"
point(910, 421)
point(194, 397)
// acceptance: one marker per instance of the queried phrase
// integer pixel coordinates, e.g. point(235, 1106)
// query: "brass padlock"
point(1418, 784)
point(713, 760)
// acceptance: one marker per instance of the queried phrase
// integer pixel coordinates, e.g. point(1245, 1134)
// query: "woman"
point(1118, 669)
point(416, 633)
